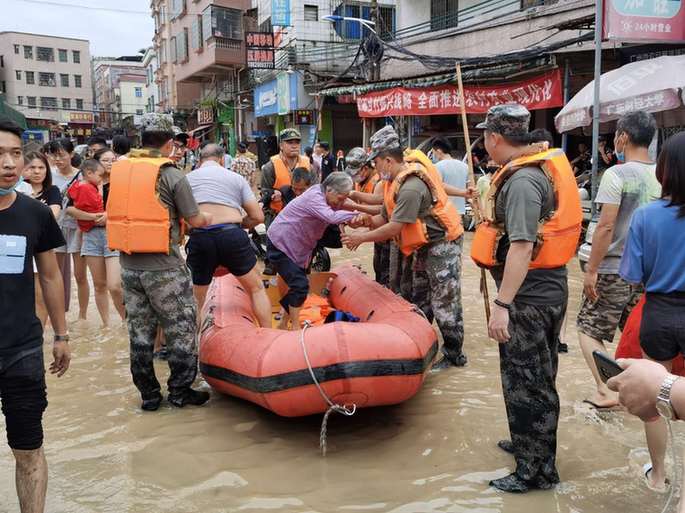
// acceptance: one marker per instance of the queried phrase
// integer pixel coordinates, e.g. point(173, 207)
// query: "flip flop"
point(646, 469)
point(615, 407)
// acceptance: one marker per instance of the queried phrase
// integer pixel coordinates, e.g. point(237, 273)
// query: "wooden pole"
point(475, 206)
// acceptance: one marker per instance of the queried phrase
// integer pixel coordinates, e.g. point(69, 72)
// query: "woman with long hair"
point(654, 256)
point(60, 152)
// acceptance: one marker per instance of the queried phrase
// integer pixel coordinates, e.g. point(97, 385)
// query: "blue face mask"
point(7, 192)
point(620, 156)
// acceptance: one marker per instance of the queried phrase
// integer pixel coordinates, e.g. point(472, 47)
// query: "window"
point(162, 51)
point(79, 104)
point(311, 13)
point(222, 22)
point(444, 14)
point(30, 78)
point(3, 87)
point(387, 23)
point(16, 49)
point(182, 46)
point(354, 30)
point(62, 55)
point(139, 112)
point(174, 58)
point(66, 103)
point(64, 79)
point(46, 79)
point(20, 100)
point(77, 81)
point(2, 61)
point(139, 92)
point(28, 52)
point(178, 8)
point(31, 100)
point(526, 4)
point(196, 33)
point(45, 54)
point(18, 74)
point(76, 56)
point(48, 103)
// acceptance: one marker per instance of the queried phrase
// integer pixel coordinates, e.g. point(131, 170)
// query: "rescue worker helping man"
point(531, 226)
point(419, 216)
point(148, 196)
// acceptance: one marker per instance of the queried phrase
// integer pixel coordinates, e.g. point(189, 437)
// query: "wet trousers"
point(381, 262)
point(164, 298)
point(528, 364)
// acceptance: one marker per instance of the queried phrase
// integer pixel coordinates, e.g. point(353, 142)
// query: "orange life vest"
point(283, 177)
point(415, 235)
point(137, 222)
point(369, 186)
point(558, 234)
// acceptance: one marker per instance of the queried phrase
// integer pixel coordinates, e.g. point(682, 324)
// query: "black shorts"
point(662, 329)
point(293, 275)
point(24, 399)
point(226, 245)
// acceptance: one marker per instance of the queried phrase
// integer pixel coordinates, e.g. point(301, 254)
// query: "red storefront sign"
point(81, 117)
point(632, 20)
point(541, 92)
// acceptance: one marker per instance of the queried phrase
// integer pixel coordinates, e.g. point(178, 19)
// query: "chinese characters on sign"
point(643, 20)
point(541, 92)
point(260, 50)
point(205, 116)
point(81, 117)
point(304, 117)
point(280, 13)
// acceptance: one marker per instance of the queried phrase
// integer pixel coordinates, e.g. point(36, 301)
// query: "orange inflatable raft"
point(380, 361)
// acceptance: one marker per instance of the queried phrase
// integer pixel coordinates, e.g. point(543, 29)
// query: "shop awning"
point(480, 74)
point(12, 114)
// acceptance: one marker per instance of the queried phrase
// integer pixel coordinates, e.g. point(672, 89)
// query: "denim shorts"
point(72, 236)
point(95, 243)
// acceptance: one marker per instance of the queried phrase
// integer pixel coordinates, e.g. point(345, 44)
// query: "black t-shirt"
point(327, 166)
point(27, 228)
point(50, 196)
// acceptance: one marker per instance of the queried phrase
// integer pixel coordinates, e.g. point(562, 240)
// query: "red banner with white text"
point(540, 92)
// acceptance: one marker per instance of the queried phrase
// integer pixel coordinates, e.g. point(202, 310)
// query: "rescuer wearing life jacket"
point(531, 226)
point(278, 171)
point(148, 196)
point(424, 223)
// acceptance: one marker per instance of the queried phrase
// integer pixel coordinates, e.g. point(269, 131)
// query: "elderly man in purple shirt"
point(294, 233)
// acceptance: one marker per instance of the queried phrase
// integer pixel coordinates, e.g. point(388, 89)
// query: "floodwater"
point(434, 453)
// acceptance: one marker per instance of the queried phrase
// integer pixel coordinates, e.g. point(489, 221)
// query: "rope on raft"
point(332, 407)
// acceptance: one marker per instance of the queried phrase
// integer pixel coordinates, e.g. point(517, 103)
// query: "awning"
point(479, 74)
point(12, 114)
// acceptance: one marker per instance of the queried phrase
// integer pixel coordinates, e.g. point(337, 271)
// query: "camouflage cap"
point(289, 134)
point(384, 139)
point(156, 121)
point(509, 119)
point(355, 159)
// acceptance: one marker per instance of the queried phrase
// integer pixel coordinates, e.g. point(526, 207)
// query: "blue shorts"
point(293, 275)
point(95, 243)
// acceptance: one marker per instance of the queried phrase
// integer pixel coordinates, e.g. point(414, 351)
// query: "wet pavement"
point(434, 453)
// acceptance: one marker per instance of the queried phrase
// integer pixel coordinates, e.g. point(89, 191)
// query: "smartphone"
point(607, 366)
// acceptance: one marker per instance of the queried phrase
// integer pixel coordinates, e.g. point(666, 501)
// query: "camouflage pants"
point(381, 262)
point(162, 298)
point(528, 364)
point(400, 273)
point(436, 290)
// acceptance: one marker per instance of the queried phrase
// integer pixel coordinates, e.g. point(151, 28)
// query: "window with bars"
point(354, 30)
point(62, 55)
point(48, 103)
point(64, 79)
point(45, 54)
point(17, 73)
point(66, 103)
point(138, 92)
point(77, 81)
point(31, 100)
point(30, 78)
point(444, 14)
point(79, 104)
point(222, 22)
point(311, 13)
point(47, 79)
point(76, 56)
point(28, 52)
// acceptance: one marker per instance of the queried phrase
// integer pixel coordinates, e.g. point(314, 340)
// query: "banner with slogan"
point(637, 20)
point(540, 92)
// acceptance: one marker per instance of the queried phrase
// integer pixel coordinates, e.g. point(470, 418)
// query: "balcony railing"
point(225, 43)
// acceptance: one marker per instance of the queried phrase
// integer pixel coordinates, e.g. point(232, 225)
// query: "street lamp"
point(367, 23)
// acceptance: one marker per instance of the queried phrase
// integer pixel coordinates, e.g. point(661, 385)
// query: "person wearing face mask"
point(417, 213)
point(608, 298)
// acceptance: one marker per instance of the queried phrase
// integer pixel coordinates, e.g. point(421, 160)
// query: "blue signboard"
point(278, 96)
point(280, 13)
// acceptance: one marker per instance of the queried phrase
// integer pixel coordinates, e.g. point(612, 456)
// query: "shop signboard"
point(280, 96)
point(304, 117)
point(642, 21)
point(280, 13)
point(205, 116)
point(81, 117)
point(540, 92)
point(260, 50)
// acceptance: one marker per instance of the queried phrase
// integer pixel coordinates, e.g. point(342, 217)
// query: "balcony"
point(218, 53)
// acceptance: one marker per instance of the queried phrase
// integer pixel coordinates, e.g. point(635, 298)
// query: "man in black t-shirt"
point(28, 230)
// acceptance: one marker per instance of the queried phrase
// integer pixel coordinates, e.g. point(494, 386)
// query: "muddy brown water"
point(434, 453)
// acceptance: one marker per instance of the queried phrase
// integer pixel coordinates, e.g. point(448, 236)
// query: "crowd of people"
point(122, 216)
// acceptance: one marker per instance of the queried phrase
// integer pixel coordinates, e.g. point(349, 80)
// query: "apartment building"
point(48, 80)
point(151, 65)
point(108, 74)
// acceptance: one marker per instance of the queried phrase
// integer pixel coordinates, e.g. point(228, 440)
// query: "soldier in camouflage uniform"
point(430, 276)
point(157, 286)
point(528, 312)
